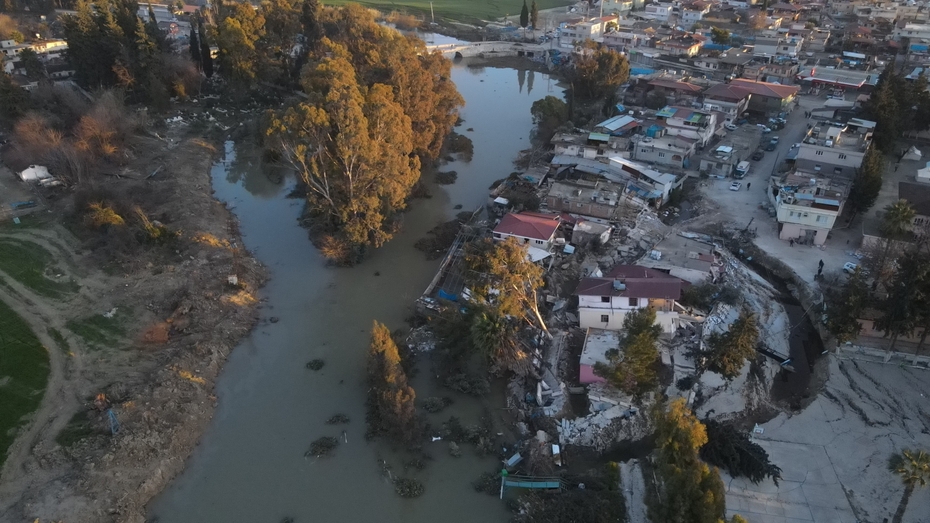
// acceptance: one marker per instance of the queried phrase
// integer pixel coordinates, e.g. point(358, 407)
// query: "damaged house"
point(604, 302)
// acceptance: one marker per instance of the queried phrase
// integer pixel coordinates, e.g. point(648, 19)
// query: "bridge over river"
point(467, 49)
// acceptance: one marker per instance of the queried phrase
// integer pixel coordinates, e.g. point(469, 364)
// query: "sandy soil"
point(160, 392)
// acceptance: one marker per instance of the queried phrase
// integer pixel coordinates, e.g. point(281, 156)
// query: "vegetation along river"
point(250, 465)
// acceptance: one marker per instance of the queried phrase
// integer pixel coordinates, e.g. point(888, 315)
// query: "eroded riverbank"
point(250, 465)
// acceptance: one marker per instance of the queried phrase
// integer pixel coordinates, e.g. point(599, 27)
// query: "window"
point(817, 167)
point(497, 235)
point(539, 242)
point(821, 218)
point(661, 155)
point(605, 299)
point(644, 150)
point(634, 302)
point(819, 153)
point(605, 318)
point(842, 156)
point(837, 170)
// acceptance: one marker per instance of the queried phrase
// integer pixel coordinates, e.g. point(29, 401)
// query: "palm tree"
point(914, 469)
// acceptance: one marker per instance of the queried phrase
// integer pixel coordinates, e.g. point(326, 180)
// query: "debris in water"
point(337, 419)
point(322, 447)
point(408, 488)
point(434, 404)
point(315, 364)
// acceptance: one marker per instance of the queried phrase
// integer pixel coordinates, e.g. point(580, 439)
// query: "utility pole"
point(431, 15)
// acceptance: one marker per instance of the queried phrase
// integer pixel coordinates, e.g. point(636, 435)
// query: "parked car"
point(758, 155)
point(850, 267)
point(730, 127)
point(735, 186)
point(770, 146)
point(765, 130)
point(774, 140)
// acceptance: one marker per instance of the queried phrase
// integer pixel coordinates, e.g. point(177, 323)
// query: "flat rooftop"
point(596, 344)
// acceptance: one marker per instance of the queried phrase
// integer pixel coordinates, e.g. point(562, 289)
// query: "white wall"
point(532, 242)
point(591, 318)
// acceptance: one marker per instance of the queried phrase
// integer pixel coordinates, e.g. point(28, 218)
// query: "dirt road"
point(155, 360)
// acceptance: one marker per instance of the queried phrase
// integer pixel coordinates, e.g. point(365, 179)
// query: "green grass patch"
point(28, 263)
point(59, 339)
point(78, 428)
point(457, 10)
point(100, 331)
point(24, 372)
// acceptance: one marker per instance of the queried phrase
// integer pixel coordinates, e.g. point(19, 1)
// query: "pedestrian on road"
point(791, 241)
point(748, 185)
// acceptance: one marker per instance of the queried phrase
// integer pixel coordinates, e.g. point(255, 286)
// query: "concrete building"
point(912, 32)
point(668, 150)
point(592, 29)
point(530, 228)
point(596, 199)
point(681, 45)
point(604, 302)
point(835, 151)
point(778, 46)
point(731, 100)
point(696, 124)
point(659, 184)
point(772, 70)
point(720, 162)
point(591, 145)
point(658, 12)
point(597, 343)
point(768, 98)
point(807, 206)
point(693, 13)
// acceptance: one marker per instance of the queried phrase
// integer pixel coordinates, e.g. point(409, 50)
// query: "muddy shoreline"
point(162, 393)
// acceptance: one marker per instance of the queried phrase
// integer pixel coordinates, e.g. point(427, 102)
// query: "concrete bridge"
point(489, 49)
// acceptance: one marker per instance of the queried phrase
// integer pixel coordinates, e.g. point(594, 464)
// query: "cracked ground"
point(834, 454)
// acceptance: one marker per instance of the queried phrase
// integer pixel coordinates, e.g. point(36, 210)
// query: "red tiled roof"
point(678, 86)
point(727, 92)
point(638, 282)
point(766, 89)
point(533, 225)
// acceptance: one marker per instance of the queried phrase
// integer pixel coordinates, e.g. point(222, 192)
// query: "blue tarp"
point(446, 296)
point(640, 70)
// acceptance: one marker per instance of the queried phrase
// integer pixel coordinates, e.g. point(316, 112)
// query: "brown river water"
point(250, 465)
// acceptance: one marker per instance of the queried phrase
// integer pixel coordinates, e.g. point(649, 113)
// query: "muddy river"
point(249, 466)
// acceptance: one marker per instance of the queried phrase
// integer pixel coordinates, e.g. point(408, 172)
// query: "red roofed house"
point(728, 99)
point(604, 302)
point(531, 228)
point(768, 98)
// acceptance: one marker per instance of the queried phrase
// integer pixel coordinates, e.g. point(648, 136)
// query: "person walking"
point(748, 185)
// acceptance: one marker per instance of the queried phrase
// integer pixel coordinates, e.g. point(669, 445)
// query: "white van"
point(742, 169)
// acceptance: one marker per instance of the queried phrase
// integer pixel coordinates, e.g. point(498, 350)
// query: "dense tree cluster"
point(732, 450)
point(688, 490)
point(109, 45)
point(867, 183)
point(549, 113)
point(897, 106)
point(729, 351)
point(588, 505)
point(377, 105)
point(633, 369)
point(391, 400)
point(598, 72)
point(845, 307)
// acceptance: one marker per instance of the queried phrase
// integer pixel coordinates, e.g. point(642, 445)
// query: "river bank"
point(152, 361)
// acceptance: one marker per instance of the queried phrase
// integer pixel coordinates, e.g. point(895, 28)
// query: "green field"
point(457, 10)
point(23, 375)
point(28, 263)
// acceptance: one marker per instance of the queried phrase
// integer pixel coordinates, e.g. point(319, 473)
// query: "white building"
point(693, 13)
point(835, 151)
point(529, 228)
point(691, 123)
point(807, 207)
point(659, 12)
point(604, 302)
point(912, 31)
point(673, 151)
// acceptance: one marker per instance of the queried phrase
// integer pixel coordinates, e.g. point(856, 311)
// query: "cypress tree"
point(195, 49)
point(205, 57)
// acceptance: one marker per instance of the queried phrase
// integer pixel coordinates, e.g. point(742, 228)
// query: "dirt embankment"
point(155, 358)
